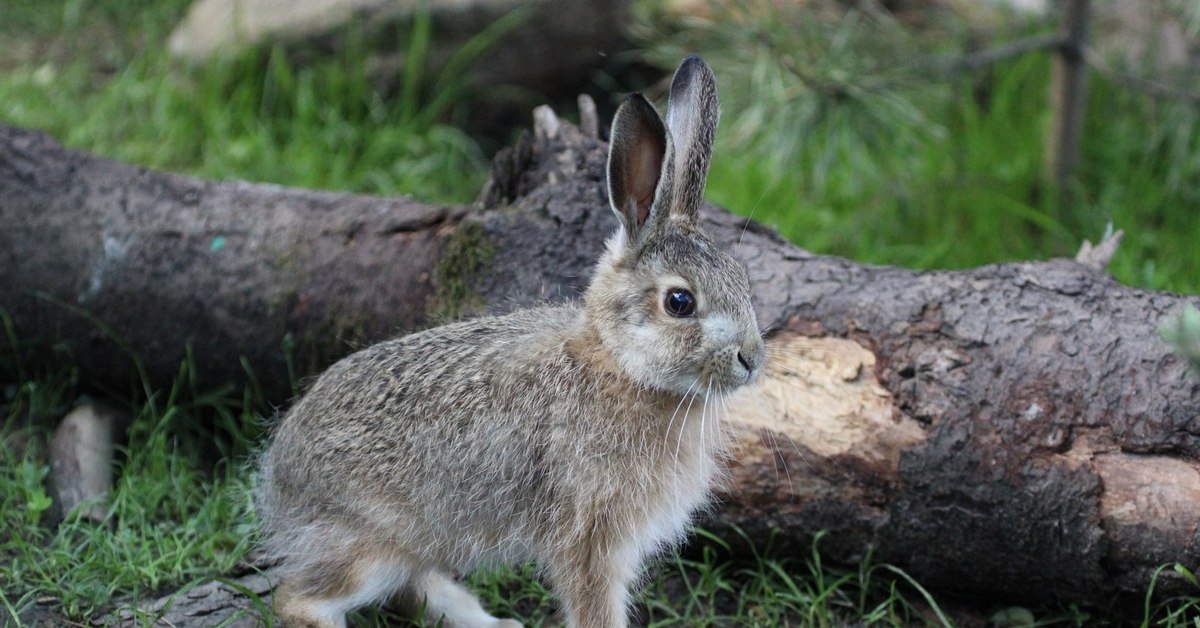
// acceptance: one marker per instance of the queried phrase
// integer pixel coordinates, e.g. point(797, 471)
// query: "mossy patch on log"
point(324, 342)
point(464, 255)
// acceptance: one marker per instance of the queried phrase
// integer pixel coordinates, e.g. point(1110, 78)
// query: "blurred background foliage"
point(845, 124)
point(840, 126)
point(851, 131)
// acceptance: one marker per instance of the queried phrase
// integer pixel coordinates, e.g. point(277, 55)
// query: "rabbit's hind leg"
point(321, 597)
point(446, 600)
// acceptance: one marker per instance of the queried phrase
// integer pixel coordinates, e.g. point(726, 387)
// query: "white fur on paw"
point(508, 623)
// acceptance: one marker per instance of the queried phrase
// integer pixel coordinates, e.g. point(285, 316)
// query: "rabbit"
point(579, 437)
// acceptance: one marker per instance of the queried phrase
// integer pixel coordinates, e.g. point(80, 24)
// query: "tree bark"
point(113, 264)
point(1018, 431)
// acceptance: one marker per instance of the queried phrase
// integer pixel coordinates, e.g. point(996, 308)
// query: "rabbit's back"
point(442, 439)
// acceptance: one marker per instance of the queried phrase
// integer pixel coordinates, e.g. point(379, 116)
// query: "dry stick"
point(1098, 256)
point(81, 454)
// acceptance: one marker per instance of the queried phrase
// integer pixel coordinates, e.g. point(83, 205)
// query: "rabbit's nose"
point(750, 359)
point(745, 364)
point(752, 355)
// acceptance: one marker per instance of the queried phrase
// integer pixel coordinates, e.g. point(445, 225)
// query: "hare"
point(579, 437)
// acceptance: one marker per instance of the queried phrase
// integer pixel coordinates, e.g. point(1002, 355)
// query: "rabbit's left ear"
point(692, 116)
point(637, 150)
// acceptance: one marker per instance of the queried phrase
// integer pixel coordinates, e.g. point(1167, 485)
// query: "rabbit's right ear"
point(637, 149)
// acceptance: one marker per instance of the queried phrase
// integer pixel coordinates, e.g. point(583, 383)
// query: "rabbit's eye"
point(680, 303)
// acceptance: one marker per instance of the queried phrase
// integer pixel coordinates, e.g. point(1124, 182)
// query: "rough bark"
point(233, 603)
point(1018, 430)
point(108, 262)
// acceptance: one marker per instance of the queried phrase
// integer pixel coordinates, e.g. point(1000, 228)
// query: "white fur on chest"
point(680, 485)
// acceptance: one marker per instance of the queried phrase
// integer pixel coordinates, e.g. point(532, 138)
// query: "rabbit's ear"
point(692, 118)
point(637, 149)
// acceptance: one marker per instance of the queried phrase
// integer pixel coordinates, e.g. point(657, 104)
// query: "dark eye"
point(680, 303)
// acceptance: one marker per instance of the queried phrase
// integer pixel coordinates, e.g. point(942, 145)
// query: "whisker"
point(667, 437)
point(776, 458)
point(794, 351)
point(753, 208)
point(679, 438)
point(667, 434)
point(720, 426)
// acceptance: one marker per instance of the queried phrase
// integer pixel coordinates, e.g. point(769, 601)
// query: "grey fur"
point(579, 437)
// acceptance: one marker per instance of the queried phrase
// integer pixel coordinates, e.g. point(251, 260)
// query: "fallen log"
point(125, 269)
point(1018, 431)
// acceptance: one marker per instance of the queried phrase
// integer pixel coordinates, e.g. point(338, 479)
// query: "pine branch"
point(992, 56)
point(1147, 86)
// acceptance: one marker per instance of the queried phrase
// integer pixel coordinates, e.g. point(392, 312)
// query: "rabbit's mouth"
point(737, 369)
point(724, 371)
point(734, 365)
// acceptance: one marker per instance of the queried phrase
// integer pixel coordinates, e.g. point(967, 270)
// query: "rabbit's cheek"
point(720, 330)
point(720, 371)
point(637, 356)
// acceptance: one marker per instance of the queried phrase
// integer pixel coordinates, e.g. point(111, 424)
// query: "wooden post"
point(1068, 97)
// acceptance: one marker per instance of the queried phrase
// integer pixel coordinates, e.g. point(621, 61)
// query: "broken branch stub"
point(81, 458)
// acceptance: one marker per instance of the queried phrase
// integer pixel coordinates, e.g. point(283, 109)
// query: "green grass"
point(257, 116)
point(943, 175)
point(173, 515)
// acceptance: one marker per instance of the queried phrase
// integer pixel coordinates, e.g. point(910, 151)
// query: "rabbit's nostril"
point(745, 364)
